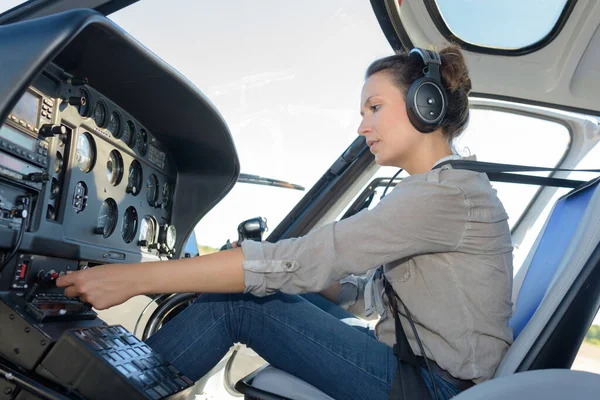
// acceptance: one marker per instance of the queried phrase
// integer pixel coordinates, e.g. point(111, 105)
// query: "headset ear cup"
point(426, 104)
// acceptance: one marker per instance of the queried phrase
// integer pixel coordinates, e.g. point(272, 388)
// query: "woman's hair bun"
point(454, 71)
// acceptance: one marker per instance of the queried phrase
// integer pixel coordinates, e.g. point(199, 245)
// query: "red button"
point(23, 271)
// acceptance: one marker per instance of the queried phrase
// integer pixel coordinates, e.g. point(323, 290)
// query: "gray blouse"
point(445, 244)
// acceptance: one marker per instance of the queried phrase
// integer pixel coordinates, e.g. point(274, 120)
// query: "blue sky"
point(505, 23)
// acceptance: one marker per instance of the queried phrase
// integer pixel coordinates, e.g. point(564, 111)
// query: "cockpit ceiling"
point(561, 74)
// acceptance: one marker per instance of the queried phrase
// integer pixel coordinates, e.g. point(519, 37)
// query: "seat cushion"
point(283, 384)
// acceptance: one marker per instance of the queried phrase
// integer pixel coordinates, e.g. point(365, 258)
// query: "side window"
point(588, 356)
point(503, 137)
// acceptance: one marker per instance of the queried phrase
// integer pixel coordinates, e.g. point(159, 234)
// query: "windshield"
point(286, 79)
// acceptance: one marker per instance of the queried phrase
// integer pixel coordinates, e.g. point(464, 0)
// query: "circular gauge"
point(114, 168)
point(147, 237)
point(130, 222)
point(171, 237)
point(142, 142)
point(100, 114)
point(135, 177)
point(167, 196)
point(86, 152)
point(128, 130)
point(58, 162)
point(84, 106)
point(107, 218)
point(114, 124)
point(152, 190)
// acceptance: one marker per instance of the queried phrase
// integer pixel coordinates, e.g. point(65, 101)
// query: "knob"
point(49, 130)
point(143, 243)
point(76, 101)
point(130, 189)
point(99, 230)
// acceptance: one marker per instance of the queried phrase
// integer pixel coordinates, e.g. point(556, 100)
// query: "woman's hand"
point(102, 286)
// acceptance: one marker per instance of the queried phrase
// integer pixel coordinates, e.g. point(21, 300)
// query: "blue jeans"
point(307, 336)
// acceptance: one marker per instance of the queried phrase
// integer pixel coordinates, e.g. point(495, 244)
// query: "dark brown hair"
point(405, 70)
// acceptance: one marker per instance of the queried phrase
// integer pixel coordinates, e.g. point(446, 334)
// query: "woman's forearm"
point(105, 286)
point(220, 272)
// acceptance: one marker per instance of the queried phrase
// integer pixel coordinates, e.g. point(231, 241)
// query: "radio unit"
point(32, 150)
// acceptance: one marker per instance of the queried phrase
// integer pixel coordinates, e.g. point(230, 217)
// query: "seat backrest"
point(570, 235)
point(556, 237)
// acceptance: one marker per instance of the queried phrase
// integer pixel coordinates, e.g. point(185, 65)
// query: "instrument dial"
point(142, 142)
point(135, 177)
point(147, 237)
point(152, 190)
point(107, 218)
point(85, 155)
point(114, 124)
point(128, 132)
point(130, 223)
point(114, 168)
point(100, 114)
point(167, 238)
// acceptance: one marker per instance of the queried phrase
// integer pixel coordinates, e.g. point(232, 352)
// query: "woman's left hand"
point(102, 286)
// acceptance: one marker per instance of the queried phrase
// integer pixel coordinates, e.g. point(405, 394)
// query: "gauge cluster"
point(122, 154)
point(121, 193)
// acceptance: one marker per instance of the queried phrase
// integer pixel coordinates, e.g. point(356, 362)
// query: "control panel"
point(107, 156)
point(79, 175)
point(99, 176)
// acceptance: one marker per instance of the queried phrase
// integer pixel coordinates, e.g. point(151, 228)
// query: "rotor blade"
point(259, 180)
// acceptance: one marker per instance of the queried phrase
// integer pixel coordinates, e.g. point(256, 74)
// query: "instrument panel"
point(109, 182)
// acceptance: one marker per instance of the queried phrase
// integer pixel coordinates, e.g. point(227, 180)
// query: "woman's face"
point(385, 124)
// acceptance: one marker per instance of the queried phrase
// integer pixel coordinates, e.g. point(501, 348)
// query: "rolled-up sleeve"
point(416, 218)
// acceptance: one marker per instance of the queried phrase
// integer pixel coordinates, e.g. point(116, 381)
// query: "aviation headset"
point(426, 100)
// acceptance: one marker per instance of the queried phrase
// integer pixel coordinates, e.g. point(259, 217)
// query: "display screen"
point(27, 108)
point(18, 138)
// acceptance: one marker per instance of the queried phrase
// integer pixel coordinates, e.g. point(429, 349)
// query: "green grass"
point(593, 335)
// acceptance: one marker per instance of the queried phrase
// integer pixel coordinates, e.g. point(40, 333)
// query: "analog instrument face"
point(107, 218)
point(128, 130)
point(135, 177)
point(100, 114)
point(86, 152)
point(147, 235)
point(114, 124)
point(130, 223)
point(152, 190)
point(171, 237)
point(142, 142)
point(114, 168)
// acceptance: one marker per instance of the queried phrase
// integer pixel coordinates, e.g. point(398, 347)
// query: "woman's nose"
point(364, 126)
